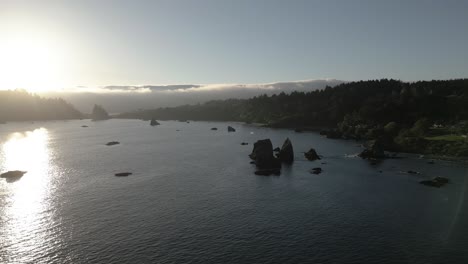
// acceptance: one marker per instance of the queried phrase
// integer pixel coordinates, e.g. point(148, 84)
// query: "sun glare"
point(32, 61)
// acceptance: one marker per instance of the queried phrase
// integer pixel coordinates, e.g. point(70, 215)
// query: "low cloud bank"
point(117, 99)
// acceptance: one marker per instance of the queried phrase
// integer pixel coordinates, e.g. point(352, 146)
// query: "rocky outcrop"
point(435, 182)
point(154, 122)
point(262, 154)
point(311, 155)
point(231, 129)
point(374, 150)
point(13, 174)
point(286, 153)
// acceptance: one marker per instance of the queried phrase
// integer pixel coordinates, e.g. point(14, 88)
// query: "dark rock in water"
point(317, 170)
point(123, 174)
point(268, 172)
point(188, 122)
point(323, 132)
point(177, 130)
point(374, 150)
point(252, 162)
point(262, 154)
point(111, 143)
point(413, 172)
point(154, 122)
point(431, 162)
point(323, 163)
point(214, 128)
point(277, 149)
point(298, 130)
point(84, 126)
point(244, 143)
point(311, 155)
point(435, 182)
point(231, 129)
point(13, 174)
point(286, 153)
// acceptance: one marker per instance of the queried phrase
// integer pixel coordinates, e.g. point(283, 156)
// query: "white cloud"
point(118, 98)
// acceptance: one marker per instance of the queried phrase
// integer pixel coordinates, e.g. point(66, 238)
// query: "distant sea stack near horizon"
point(99, 113)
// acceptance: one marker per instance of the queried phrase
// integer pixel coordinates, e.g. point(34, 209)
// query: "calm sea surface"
point(193, 198)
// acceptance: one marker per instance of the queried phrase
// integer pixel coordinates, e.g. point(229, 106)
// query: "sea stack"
point(154, 122)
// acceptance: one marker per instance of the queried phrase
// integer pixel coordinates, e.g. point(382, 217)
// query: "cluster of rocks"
point(266, 161)
point(374, 150)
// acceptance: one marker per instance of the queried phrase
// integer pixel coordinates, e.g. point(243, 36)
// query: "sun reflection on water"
point(27, 200)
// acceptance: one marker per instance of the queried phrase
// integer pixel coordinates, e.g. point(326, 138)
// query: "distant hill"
point(19, 105)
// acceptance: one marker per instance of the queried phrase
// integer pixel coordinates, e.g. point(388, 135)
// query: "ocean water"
point(193, 198)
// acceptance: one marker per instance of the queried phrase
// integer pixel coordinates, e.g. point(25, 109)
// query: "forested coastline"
point(428, 117)
point(19, 105)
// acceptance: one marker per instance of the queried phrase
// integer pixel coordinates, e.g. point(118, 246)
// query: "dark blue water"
point(193, 198)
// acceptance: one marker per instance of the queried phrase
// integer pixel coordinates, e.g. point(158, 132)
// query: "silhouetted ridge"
point(20, 105)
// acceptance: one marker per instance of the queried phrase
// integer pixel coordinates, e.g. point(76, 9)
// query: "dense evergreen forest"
point(19, 105)
point(424, 117)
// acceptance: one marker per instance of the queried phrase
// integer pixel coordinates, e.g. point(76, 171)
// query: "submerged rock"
point(286, 153)
point(84, 126)
point(311, 155)
point(231, 129)
point(111, 143)
point(316, 170)
point(214, 128)
point(123, 174)
point(435, 182)
point(244, 143)
point(13, 174)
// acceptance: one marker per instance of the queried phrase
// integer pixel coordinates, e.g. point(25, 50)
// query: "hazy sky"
point(252, 41)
